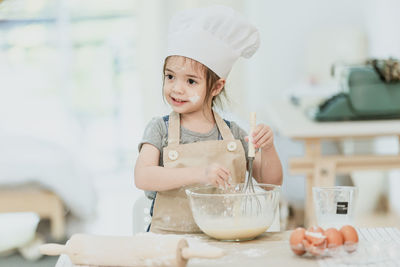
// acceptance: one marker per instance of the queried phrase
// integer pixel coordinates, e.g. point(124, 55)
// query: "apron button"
point(232, 146)
point(173, 154)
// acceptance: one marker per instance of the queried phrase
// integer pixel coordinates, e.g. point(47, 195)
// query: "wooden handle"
point(52, 249)
point(252, 127)
point(203, 252)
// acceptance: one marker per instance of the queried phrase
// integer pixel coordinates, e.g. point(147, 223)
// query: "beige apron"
point(171, 208)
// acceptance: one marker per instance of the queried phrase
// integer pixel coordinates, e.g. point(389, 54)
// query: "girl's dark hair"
point(211, 78)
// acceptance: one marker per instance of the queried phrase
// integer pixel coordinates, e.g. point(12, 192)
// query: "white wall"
point(286, 27)
point(383, 28)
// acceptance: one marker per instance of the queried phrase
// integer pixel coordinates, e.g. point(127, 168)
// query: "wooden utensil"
point(139, 250)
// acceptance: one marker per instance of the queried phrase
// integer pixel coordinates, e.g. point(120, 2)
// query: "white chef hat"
point(215, 36)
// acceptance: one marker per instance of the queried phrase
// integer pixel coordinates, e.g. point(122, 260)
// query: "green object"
point(366, 97)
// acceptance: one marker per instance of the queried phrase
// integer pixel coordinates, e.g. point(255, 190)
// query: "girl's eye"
point(169, 76)
point(191, 81)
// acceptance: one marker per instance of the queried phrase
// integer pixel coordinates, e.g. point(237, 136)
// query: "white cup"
point(334, 206)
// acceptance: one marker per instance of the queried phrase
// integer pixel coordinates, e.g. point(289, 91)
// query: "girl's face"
point(185, 85)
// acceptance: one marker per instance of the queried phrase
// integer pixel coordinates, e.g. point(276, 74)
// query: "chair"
point(141, 214)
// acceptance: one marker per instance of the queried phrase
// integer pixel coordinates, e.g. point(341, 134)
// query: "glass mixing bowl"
point(231, 215)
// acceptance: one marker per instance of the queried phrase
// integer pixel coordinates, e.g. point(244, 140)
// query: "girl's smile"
point(177, 101)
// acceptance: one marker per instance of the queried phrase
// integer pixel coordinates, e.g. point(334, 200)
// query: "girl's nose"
point(178, 88)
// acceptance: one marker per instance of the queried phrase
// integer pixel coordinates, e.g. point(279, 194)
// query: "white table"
point(272, 249)
point(291, 121)
point(43, 202)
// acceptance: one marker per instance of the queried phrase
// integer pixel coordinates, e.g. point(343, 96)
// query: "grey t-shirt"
point(156, 134)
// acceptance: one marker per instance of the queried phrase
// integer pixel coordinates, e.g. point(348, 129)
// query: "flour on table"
point(254, 252)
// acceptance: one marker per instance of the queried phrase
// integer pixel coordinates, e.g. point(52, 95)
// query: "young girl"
point(193, 145)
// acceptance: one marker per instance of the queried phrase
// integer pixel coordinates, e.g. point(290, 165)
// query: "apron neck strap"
point(223, 128)
point(174, 128)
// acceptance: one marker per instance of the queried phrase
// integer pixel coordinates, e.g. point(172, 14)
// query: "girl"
point(193, 145)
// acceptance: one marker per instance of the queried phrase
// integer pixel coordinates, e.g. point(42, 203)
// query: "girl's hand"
point(216, 175)
point(263, 137)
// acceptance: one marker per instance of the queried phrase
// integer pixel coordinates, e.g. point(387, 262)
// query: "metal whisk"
point(252, 204)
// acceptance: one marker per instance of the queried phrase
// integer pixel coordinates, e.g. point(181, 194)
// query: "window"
point(68, 75)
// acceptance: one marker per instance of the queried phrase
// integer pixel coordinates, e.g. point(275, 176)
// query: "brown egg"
point(315, 235)
point(296, 239)
point(350, 237)
point(334, 238)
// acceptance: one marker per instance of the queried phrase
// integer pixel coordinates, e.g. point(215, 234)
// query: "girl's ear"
point(219, 85)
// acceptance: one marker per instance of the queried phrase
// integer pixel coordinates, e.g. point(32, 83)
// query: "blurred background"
point(79, 80)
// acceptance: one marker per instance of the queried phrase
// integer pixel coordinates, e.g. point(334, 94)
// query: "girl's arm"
point(267, 167)
point(150, 176)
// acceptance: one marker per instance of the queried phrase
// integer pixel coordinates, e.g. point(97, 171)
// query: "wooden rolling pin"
point(139, 250)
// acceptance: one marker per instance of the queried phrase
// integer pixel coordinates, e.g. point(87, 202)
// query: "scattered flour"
point(254, 252)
